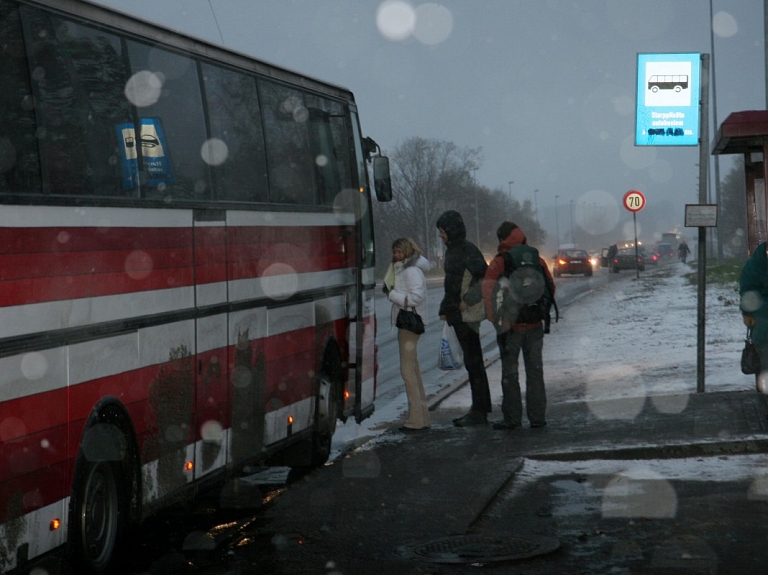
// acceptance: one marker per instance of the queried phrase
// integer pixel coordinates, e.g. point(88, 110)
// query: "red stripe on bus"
point(29, 291)
point(52, 264)
point(89, 239)
point(135, 263)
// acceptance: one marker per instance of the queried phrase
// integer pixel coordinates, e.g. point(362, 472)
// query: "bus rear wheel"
point(95, 517)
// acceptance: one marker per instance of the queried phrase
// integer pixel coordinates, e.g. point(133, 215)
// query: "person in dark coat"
point(463, 257)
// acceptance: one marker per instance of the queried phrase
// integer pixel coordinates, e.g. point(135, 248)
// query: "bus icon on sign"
point(676, 82)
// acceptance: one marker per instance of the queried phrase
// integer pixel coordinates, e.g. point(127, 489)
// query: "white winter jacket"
point(410, 287)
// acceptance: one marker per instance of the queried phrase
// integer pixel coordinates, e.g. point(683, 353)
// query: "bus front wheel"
point(327, 409)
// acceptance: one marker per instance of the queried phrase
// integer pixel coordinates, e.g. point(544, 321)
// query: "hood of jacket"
point(453, 224)
point(415, 260)
point(515, 238)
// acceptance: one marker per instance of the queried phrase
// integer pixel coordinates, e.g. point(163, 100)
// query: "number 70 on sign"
point(634, 201)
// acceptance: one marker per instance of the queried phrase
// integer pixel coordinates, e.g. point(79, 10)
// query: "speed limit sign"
point(634, 201)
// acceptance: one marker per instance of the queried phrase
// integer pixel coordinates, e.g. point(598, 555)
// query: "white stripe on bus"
point(48, 316)
point(36, 372)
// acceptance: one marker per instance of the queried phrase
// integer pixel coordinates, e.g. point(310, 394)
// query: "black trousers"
point(469, 340)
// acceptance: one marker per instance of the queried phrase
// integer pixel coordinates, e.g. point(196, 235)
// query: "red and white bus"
point(186, 272)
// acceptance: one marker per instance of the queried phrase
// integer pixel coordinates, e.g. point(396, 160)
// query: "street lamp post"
point(536, 213)
point(477, 216)
point(426, 229)
point(573, 239)
point(557, 225)
point(421, 149)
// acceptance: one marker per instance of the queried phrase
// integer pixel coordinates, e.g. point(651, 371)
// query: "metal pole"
point(637, 251)
point(536, 210)
point(573, 238)
point(419, 168)
point(426, 226)
point(557, 225)
point(701, 266)
point(477, 217)
point(718, 229)
point(765, 48)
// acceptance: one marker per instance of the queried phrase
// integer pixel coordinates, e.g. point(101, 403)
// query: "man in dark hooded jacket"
point(463, 256)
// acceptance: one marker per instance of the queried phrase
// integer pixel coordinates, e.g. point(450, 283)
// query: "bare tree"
point(428, 177)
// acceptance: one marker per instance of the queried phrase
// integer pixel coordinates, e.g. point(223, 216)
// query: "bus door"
point(212, 407)
point(364, 341)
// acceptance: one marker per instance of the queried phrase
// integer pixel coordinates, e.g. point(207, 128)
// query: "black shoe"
point(405, 429)
point(506, 424)
point(538, 424)
point(471, 418)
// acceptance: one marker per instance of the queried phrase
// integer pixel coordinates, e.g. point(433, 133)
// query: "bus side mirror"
point(382, 183)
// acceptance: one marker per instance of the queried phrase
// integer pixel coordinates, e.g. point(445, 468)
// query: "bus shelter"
point(747, 133)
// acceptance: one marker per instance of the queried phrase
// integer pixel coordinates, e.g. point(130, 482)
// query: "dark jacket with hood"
point(496, 269)
point(460, 256)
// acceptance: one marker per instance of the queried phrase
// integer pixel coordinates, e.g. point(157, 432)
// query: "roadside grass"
point(724, 275)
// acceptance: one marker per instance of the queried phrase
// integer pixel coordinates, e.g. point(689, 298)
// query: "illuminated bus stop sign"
point(668, 93)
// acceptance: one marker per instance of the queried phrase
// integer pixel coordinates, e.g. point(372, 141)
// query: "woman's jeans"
point(418, 409)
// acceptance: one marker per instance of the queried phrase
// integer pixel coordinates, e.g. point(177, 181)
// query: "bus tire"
point(95, 516)
point(104, 503)
point(327, 406)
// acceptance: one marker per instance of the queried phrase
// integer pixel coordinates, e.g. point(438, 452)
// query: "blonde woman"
point(409, 291)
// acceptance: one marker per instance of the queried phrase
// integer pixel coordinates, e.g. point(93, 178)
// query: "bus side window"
point(290, 161)
point(78, 79)
point(331, 146)
point(19, 160)
point(166, 91)
point(240, 173)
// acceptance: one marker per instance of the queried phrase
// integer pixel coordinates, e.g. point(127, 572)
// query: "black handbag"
point(410, 320)
point(750, 358)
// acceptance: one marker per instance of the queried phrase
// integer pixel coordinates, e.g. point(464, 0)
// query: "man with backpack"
point(518, 292)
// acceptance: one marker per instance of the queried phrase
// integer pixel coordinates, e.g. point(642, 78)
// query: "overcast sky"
point(545, 87)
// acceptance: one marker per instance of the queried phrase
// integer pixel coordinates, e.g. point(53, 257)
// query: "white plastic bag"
point(451, 356)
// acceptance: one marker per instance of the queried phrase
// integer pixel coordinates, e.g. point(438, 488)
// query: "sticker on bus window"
point(154, 158)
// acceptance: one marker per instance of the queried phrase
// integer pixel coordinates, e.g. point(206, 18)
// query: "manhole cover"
point(478, 548)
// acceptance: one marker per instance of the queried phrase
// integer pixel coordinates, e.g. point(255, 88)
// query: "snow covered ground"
point(638, 338)
point(634, 338)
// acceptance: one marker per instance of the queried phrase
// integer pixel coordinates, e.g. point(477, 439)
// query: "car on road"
point(627, 259)
point(649, 257)
point(665, 251)
point(572, 261)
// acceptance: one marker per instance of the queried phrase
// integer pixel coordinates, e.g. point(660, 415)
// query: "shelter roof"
point(742, 133)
